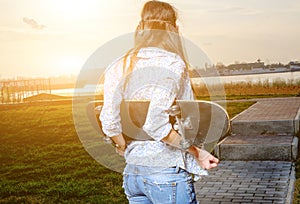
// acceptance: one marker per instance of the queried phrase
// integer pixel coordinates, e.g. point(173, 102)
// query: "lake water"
point(253, 78)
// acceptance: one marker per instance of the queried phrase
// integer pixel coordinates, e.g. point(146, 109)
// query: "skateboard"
point(201, 123)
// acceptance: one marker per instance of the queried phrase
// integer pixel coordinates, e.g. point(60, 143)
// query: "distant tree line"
point(210, 70)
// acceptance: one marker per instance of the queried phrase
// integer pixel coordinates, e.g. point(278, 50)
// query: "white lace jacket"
point(158, 76)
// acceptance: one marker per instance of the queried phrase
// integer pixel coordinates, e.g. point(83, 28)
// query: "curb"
point(290, 193)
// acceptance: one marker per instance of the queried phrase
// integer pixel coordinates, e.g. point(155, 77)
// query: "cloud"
point(33, 24)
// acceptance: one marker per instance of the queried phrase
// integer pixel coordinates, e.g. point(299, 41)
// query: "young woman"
point(160, 170)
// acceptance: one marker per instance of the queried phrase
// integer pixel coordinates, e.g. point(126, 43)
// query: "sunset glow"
point(69, 64)
point(46, 38)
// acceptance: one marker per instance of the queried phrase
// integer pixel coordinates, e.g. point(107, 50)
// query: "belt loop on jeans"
point(177, 169)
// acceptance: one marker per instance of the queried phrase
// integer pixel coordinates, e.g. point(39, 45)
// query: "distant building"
point(246, 66)
point(257, 67)
point(294, 65)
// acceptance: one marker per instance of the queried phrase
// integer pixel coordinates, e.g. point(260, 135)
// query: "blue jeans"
point(169, 186)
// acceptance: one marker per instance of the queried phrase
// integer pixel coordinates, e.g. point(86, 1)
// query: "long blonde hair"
point(157, 28)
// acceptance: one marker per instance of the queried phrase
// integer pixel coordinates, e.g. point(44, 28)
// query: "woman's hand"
point(120, 143)
point(120, 149)
point(204, 158)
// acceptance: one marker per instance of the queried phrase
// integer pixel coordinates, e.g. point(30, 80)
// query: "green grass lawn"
point(43, 161)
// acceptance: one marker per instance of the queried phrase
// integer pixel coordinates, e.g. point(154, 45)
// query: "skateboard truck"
point(180, 126)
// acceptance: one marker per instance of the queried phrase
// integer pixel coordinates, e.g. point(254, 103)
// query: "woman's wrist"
point(192, 150)
point(120, 143)
point(175, 140)
point(121, 147)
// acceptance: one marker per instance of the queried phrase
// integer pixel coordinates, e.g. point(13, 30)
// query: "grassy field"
point(248, 90)
point(43, 161)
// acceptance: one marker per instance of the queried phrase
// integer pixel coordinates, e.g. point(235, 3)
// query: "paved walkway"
point(248, 182)
point(272, 109)
point(254, 181)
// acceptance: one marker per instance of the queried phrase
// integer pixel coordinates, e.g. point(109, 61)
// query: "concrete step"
point(265, 131)
point(262, 148)
point(269, 117)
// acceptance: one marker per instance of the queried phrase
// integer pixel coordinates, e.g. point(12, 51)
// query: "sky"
point(42, 38)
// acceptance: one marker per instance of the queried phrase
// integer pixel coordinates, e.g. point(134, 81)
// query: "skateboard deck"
point(202, 123)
